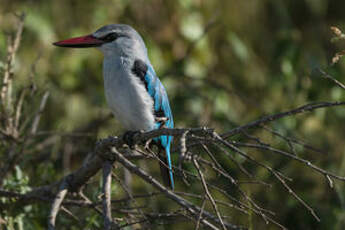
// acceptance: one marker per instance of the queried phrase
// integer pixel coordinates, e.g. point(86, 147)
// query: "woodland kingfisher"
point(133, 91)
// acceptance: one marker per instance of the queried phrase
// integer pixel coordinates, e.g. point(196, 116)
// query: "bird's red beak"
point(80, 42)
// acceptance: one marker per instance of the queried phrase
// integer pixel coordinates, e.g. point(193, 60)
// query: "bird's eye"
point(110, 37)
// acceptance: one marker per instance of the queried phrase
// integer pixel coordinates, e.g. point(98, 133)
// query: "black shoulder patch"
point(139, 69)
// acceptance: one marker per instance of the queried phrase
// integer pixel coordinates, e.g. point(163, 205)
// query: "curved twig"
point(107, 168)
point(62, 192)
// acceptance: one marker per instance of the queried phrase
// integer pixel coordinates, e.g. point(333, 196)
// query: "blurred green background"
point(223, 63)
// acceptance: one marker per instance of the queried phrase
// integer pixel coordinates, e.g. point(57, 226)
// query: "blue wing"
point(161, 109)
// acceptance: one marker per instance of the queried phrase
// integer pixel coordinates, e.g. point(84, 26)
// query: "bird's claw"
point(161, 119)
point(128, 138)
point(147, 144)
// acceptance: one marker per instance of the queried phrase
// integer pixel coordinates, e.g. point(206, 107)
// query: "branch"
point(327, 76)
point(192, 209)
point(208, 194)
point(107, 168)
point(112, 149)
point(39, 113)
point(294, 157)
point(273, 117)
point(274, 173)
point(11, 52)
point(56, 204)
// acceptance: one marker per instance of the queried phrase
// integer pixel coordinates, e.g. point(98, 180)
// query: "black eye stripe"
point(110, 37)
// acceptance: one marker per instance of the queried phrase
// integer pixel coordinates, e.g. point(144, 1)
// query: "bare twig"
point(39, 113)
point(129, 193)
point(56, 204)
point(19, 108)
point(293, 141)
point(107, 149)
point(208, 194)
point(192, 209)
point(273, 117)
point(70, 213)
point(201, 211)
point(107, 168)
point(327, 76)
point(276, 174)
point(294, 157)
point(11, 52)
point(219, 202)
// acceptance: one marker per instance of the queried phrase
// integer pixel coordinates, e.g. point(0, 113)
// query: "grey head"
point(120, 40)
point(112, 40)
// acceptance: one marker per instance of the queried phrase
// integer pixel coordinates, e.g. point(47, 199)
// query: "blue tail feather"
point(161, 109)
point(165, 168)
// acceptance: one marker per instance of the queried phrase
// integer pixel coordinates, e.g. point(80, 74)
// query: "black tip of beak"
point(83, 45)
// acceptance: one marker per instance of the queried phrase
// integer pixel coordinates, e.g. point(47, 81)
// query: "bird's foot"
point(128, 138)
point(161, 119)
point(148, 145)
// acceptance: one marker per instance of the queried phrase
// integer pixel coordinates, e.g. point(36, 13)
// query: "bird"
point(133, 91)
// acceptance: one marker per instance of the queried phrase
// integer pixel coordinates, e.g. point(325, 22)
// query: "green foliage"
point(16, 219)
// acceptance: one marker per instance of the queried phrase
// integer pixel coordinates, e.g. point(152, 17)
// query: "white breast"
point(126, 95)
